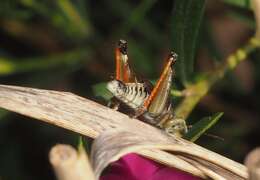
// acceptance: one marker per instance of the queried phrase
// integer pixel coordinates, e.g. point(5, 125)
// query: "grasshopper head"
point(116, 87)
point(176, 126)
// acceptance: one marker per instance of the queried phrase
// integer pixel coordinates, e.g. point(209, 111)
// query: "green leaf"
point(6, 67)
point(101, 91)
point(239, 3)
point(83, 145)
point(207, 38)
point(202, 126)
point(245, 17)
point(186, 20)
point(137, 16)
point(69, 59)
point(122, 9)
point(78, 24)
point(80, 142)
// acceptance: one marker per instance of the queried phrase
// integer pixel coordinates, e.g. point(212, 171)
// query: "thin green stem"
point(199, 89)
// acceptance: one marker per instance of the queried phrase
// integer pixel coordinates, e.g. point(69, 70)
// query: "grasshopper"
point(140, 99)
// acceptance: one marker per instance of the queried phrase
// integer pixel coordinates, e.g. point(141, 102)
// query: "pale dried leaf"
point(110, 146)
point(89, 118)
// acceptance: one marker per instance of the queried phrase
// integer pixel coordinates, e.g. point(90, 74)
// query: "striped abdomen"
point(132, 94)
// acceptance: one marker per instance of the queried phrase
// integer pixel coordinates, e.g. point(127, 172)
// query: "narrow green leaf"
point(6, 67)
point(246, 18)
point(79, 25)
point(186, 20)
point(202, 126)
point(83, 145)
point(80, 142)
point(3, 113)
point(70, 58)
point(239, 3)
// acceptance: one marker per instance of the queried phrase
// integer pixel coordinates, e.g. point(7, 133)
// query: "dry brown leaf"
point(89, 118)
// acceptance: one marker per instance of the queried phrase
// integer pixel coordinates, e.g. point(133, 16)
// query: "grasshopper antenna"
point(210, 135)
point(214, 136)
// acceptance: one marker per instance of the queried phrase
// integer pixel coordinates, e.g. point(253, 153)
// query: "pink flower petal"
point(135, 167)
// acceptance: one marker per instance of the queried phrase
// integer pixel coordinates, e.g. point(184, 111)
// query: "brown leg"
point(171, 59)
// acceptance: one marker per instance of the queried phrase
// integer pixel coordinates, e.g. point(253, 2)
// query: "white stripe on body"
point(135, 95)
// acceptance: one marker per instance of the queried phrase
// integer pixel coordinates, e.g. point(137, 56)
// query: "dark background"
point(69, 46)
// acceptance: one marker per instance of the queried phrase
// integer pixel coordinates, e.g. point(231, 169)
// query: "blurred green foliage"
point(69, 45)
point(184, 33)
point(240, 3)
